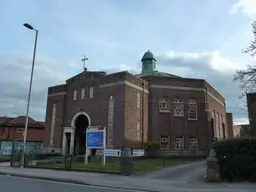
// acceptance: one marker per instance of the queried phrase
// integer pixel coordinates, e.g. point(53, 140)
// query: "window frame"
point(164, 105)
point(82, 93)
point(138, 100)
point(177, 102)
point(192, 102)
point(165, 142)
point(182, 146)
point(91, 92)
point(191, 138)
point(75, 95)
point(138, 131)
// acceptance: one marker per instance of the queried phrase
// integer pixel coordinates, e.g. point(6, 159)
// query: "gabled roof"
point(5, 119)
point(85, 73)
point(20, 121)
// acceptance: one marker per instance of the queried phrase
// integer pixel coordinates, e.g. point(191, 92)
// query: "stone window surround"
point(180, 141)
point(164, 142)
point(164, 105)
point(192, 111)
point(178, 107)
point(75, 95)
point(82, 93)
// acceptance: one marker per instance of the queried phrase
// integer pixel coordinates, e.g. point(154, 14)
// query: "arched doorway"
point(81, 124)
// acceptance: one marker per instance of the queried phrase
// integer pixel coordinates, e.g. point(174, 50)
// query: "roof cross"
point(84, 60)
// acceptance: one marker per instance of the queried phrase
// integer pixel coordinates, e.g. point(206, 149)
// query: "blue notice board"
point(95, 139)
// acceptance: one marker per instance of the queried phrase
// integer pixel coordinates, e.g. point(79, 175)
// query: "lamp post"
point(29, 93)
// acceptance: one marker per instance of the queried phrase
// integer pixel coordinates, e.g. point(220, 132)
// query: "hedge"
point(237, 159)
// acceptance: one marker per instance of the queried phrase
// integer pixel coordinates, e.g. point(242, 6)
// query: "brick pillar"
point(126, 163)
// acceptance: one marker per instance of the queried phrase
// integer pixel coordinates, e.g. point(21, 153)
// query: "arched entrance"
point(81, 125)
point(80, 122)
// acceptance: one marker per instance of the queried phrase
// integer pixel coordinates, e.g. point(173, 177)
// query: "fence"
point(125, 165)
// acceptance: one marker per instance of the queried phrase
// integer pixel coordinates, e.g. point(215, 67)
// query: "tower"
point(148, 63)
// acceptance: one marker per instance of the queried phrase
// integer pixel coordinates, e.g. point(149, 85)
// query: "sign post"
point(95, 139)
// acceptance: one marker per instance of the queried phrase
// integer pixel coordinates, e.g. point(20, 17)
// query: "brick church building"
point(180, 113)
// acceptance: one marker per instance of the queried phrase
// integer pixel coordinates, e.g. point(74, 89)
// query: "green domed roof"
point(148, 55)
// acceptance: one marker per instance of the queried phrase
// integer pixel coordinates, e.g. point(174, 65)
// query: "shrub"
point(237, 159)
point(154, 145)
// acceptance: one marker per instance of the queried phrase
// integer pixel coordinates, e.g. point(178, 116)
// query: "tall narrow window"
point(220, 126)
point(138, 132)
point(178, 107)
point(192, 110)
point(179, 143)
point(214, 125)
point(74, 95)
point(138, 100)
point(164, 105)
point(193, 143)
point(82, 93)
point(217, 125)
point(91, 93)
point(164, 142)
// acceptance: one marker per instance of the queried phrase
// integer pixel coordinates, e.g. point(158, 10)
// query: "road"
point(191, 173)
point(15, 184)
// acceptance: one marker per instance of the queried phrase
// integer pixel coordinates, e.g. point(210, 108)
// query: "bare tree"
point(247, 77)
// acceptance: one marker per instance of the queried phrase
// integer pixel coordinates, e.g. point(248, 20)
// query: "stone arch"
point(73, 122)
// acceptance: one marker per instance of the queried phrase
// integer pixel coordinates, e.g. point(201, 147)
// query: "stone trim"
point(216, 99)
point(176, 87)
point(186, 89)
point(78, 114)
point(69, 130)
point(57, 94)
point(124, 83)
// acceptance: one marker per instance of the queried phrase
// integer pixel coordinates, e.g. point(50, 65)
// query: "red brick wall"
point(33, 134)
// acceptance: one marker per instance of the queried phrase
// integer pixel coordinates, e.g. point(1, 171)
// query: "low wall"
point(197, 153)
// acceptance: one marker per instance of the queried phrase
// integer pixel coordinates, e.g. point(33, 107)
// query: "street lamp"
point(29, 93)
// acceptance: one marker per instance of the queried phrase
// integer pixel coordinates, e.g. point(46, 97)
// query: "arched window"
point(192, 109)
point(220, 126)
point(217, 125)
point(214, 124)
point(164, 105)
point(178, 107)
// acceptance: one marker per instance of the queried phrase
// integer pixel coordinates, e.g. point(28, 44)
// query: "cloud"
point(211, 66)
point(246, 7)
point(16, 67)
point(15, 70)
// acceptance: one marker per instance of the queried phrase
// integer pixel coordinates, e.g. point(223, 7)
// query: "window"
point(179, 143)
point(138, 130)
point(82, 93)
point(138, 100)
point(217, 125)
point(91, 93)
point(192, 143)
point(220, 126)
point(74, 95)
point(20, 130)
point(164, 105)
point(192, 110)
point(178, 108)
point(164, 142)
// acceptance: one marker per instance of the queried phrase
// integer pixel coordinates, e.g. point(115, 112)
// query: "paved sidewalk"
point(5, 164)
point(123, 182)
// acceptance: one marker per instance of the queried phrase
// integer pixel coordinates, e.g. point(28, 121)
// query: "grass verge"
point(114, 166)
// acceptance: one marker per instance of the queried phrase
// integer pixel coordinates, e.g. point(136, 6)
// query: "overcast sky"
point(199, 38)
